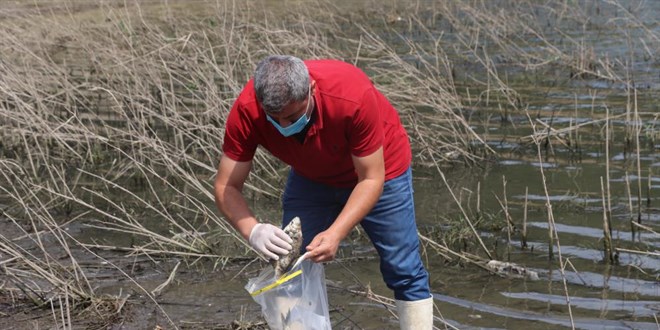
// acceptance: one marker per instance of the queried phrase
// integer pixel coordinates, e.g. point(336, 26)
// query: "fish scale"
point(294, 230)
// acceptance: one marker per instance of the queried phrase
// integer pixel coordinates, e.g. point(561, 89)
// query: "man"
point(350, 163)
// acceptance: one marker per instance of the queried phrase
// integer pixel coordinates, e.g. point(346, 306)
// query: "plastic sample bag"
point(296, 301)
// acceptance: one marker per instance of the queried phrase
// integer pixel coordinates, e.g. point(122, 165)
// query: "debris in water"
point(511, 270)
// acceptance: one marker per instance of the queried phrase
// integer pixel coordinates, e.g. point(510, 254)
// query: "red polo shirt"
point(352, 118)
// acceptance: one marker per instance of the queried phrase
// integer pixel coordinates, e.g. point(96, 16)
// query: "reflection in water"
point(612, 283)
point(625, 259)
point(635, 308)
point(648, 238)
point(562, 198)
point(580, 323)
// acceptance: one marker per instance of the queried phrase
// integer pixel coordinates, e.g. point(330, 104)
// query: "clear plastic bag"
point(296, 300)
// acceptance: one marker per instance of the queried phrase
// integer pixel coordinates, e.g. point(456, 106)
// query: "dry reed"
point(112, 114)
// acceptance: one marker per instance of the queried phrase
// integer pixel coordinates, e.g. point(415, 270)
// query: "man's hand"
point(323, 247)
point(270, 241)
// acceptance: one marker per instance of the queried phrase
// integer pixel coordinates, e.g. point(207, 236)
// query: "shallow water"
point(621, 296)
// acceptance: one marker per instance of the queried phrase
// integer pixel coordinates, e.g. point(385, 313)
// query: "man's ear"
point(313, 86)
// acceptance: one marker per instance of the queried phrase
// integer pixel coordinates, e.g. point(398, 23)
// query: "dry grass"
point(112, 114)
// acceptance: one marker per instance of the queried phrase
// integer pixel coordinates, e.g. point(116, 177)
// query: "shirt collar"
point(318, 111)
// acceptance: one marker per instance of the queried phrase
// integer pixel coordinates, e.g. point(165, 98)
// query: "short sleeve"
point(367, 128)
point(239, 143)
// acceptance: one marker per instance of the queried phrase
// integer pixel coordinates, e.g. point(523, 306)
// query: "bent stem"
point(553, 229)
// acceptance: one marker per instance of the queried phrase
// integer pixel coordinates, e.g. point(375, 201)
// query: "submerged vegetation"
point(111, 122)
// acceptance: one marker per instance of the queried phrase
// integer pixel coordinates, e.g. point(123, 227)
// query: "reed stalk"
point(646, 253)
point(479, 215)
point(553, 235)
point(648, 189)
point(136, 104)
point(630, 207)
point(466, 218)
point(649, 229)
point(523, 232)
point(507, 217)
point(607, 231)
point(638, 130)
point(117, 118)
point(607, 196)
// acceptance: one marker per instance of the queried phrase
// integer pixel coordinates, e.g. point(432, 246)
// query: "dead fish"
point(512, 270)
point(294, 230)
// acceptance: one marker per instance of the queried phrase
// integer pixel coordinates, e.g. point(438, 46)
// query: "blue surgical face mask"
point(298, 125)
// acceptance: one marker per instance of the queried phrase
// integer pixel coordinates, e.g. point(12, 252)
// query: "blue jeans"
point(390, 225)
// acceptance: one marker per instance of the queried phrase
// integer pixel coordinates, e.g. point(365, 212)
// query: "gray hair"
point(280, 80)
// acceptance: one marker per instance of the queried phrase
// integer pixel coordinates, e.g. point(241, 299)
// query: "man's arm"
point(229, 196)
point(371, 177)
point(265, 238)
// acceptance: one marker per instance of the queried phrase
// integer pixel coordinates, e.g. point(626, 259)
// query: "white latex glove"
point(270, 241)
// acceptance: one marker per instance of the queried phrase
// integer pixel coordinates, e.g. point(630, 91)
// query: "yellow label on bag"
point(285, 278)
